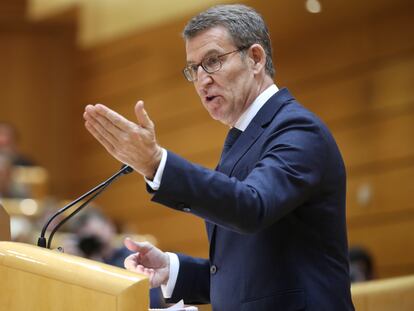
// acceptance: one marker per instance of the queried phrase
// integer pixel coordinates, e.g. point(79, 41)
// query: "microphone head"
point(126, 169)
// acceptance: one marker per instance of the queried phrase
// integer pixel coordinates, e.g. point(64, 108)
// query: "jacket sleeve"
point(193, 281)
point(279, 178)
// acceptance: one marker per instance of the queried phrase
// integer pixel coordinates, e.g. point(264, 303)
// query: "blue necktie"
point(231, 138)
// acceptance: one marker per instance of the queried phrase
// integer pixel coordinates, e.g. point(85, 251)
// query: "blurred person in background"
point(95, 239)
point(360, 264)
point(95, 236)
point(8, 188)
point(22, 229)
point(9, 138)
point(21, 226)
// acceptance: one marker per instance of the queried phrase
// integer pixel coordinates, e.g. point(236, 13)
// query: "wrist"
point(172, 270)
point(167, 270)
point(154, 164)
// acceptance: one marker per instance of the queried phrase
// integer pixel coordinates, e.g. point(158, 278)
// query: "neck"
point(261, 85)
point(258, 89)
point(265, 83)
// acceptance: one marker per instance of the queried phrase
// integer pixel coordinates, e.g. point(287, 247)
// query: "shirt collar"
point(252, 110)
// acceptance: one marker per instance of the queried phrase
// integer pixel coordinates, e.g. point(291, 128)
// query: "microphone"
point(43, 242)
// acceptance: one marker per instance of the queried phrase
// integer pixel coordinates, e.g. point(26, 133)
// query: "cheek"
point(196, 89)
point(239, 85)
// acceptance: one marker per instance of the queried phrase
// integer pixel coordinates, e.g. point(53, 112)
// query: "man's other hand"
point(148, 260)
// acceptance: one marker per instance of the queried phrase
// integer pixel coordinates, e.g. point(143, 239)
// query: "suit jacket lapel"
point(243, 143)
point(254, 130)
point(210, 227)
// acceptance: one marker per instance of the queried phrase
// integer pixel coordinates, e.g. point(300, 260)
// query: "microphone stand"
point(101, 187)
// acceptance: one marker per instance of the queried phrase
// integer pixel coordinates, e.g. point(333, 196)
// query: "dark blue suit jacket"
point(275, 216)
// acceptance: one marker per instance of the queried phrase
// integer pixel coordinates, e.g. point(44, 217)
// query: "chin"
point(214, 114)
point(218, 115)
point(215, 117)
point(223, 121)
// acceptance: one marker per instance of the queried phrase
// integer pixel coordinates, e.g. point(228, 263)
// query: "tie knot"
point(232, 136)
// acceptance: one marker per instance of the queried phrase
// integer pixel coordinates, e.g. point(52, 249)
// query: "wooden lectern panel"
point(384, 294)
point(4, 225)
point(34, 278)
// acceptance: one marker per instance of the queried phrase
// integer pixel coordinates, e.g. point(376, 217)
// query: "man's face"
point(228, 92)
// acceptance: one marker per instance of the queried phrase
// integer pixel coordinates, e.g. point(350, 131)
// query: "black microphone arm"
point(42, 242)
point(77, 210)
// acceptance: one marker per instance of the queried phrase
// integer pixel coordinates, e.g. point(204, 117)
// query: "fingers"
point(142, 116)
point(113, 117)
point(97, 133)
point(130, 143)
point(141, 247)
point(104, 123)
point(110, 128)
point(130, 245)
point(98, 126)
point(132, 263)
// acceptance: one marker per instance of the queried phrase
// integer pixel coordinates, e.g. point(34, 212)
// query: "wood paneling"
point(12, 11)
point(384, 192)
point(389, 242)
point(36, 93)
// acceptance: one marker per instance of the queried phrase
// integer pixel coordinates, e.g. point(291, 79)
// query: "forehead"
point(213, 39)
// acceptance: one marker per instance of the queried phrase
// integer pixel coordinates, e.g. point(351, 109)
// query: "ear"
point(258, 56)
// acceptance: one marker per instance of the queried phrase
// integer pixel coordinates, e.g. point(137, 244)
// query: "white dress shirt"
point(241, 124)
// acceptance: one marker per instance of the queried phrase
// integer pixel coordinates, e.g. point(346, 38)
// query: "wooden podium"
point(34, 278)
point(4, 226)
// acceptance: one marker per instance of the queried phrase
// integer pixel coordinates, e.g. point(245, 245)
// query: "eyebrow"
point(209, 53)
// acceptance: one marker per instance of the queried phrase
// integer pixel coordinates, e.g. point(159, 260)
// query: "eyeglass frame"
point(190, 67)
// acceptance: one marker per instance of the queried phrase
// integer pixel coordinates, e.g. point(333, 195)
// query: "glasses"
point(210, 65)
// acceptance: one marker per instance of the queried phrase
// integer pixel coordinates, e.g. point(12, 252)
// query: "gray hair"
point(245, 25)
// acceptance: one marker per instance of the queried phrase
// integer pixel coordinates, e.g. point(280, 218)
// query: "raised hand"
point(130, 143)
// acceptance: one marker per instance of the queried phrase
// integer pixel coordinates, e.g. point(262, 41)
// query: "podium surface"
point(33, 278)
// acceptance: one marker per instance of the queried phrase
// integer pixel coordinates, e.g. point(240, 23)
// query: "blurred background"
point(351, 62)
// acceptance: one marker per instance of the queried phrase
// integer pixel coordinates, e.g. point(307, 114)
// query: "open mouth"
point(210, 98)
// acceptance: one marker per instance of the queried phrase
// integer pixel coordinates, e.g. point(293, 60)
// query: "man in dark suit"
point(275, 205)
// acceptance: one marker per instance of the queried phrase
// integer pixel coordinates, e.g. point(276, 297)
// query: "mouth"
point(210, 98)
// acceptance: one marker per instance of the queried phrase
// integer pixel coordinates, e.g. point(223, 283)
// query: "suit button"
point(184, 207)
point(213, 269)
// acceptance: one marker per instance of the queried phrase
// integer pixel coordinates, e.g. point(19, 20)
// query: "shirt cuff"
point(168, 289)
point(156, 182)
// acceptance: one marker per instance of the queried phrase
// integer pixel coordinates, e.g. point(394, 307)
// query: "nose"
point(203, 78)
